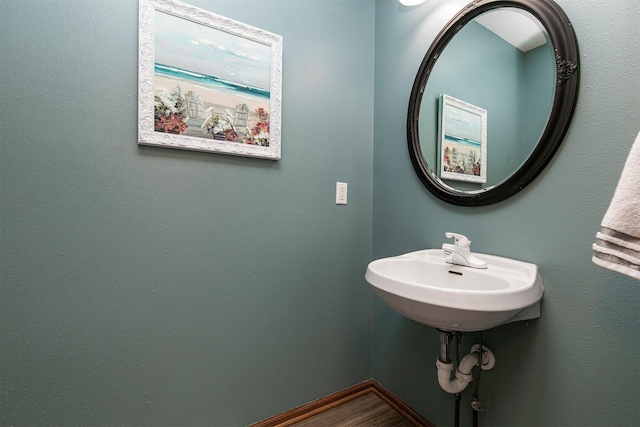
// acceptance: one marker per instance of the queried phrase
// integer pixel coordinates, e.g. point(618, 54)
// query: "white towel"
point(617, 244)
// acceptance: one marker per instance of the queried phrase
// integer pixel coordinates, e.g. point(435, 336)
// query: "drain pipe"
point(486, 360)
point(457, 396)
point(444, 356)
point(444, 346)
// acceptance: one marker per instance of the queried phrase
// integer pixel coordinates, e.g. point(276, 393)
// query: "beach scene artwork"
point(207, 82)
point(463, 141)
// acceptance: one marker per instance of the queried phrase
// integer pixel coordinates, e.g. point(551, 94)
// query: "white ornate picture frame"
point(207, 83)
point(462, 148)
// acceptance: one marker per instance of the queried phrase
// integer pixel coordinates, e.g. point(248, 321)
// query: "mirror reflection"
point(502, 62)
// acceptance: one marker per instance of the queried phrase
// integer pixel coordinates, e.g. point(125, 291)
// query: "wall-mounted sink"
point(424, 287)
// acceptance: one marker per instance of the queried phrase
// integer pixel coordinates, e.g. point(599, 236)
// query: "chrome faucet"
point(459, 252)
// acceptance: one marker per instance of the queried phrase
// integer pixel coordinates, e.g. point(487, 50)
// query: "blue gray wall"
point(578, 364)
point(540, 67)
point(148, 286)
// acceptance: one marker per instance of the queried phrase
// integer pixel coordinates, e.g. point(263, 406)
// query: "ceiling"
point(516, 26)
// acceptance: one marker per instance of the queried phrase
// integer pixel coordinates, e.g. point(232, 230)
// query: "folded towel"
point(617, 244)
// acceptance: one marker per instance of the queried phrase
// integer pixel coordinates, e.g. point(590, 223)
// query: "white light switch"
point(341, 193)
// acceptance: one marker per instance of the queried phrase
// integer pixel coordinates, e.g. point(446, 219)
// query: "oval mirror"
point(493, 99)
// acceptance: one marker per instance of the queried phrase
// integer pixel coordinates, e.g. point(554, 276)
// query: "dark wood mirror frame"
point(565, 46)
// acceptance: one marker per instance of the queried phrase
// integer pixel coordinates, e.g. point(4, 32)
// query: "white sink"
point(423, 287)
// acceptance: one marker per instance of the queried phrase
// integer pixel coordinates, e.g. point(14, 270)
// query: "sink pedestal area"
point(457, 291)
point(424, 287)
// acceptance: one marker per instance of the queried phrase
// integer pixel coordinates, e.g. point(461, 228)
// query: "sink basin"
point(423, 287)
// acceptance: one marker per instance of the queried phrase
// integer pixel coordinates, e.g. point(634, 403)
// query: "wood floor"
point(367, 410)
point(364, 405)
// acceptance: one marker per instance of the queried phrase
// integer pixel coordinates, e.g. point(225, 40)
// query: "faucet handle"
point(460, 240)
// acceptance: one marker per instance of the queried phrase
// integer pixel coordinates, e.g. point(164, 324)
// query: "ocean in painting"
point(463, 141)
point(211, 82)
point(213, 97)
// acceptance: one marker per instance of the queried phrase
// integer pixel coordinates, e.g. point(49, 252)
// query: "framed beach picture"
point(207, 83)
point(462, 147)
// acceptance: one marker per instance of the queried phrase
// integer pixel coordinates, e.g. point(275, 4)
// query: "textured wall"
point(149, 286)
point(578, 364)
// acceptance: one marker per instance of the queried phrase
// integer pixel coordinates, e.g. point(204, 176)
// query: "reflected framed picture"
point(462, 147)
point(207, 82)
